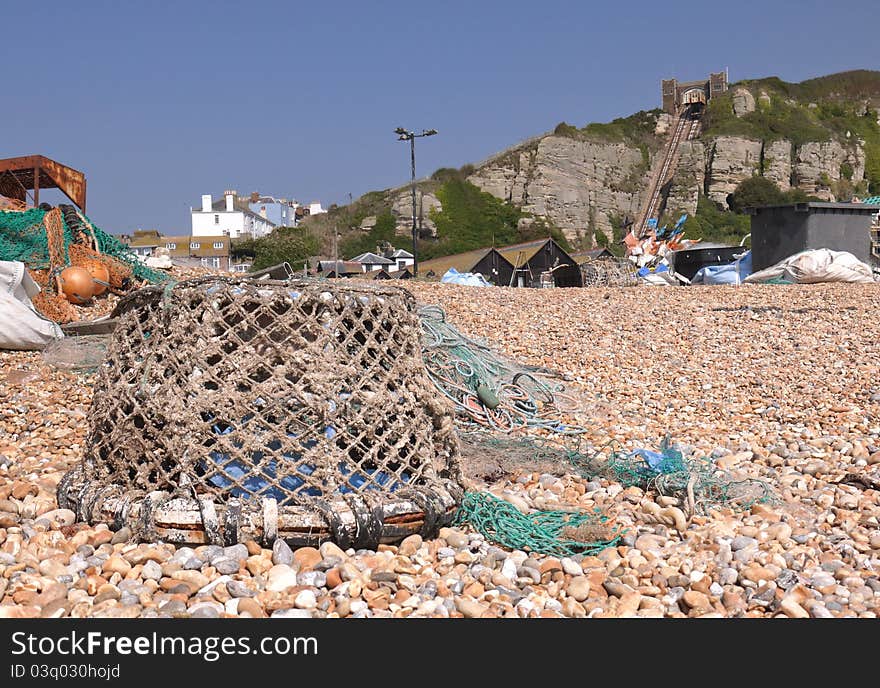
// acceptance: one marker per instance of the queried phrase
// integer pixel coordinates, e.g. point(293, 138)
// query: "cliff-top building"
point(676, 94)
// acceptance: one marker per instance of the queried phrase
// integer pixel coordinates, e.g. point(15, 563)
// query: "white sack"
point(21, 327)
point(161, 258)
point(816, 265)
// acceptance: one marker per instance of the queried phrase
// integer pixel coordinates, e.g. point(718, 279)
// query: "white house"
point(279, 211)
point(229, 217)
point(371, 262)
point(402, 259)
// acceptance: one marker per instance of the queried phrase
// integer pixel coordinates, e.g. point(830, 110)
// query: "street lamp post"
point(405, 135)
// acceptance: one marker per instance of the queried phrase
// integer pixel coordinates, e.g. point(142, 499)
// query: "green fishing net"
point(23, 238)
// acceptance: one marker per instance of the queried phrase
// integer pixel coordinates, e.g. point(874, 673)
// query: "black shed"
point(533, 258)
point(494, 267)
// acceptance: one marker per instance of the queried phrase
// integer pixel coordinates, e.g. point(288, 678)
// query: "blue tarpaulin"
point(471, 279)
point(644, 272)
point(732, 273)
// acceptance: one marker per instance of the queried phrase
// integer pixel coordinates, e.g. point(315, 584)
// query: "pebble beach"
point(779, 383)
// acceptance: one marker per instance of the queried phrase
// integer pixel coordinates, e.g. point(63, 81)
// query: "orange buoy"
point(100, 276)
point(76, 284)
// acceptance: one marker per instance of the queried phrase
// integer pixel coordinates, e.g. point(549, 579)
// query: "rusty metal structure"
point(31, 173)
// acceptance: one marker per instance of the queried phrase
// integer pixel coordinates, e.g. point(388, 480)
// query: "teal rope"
point(489, 392)
point(541, 531)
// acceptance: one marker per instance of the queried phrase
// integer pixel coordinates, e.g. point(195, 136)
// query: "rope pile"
point(514, 411)
point(559, 533)
point(489, 393)
point(697, 481)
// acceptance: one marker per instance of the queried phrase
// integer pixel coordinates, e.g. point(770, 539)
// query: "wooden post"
point(36, 186)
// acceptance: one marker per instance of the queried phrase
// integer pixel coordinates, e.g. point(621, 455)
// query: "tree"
point(285, 244)
point(754, 192)
point(383, 231)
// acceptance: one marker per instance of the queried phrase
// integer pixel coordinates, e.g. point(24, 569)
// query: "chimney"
point(230, 200)
point(206, 203)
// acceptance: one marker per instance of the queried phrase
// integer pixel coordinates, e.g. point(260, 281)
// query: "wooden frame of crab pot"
point(361, 521)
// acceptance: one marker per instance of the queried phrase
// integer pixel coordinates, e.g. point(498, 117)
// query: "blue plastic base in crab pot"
point(233, 470)
point(262, 480)
point(259, 476)
point(380, 479)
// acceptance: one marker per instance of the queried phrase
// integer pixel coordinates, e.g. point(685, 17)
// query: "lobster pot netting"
point(295, 396)
point(609, 272)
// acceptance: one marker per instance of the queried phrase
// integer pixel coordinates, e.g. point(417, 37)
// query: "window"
point(216, 219)
point(195, 245)
point(218, 244)
point(171, 246)
point(401, 264)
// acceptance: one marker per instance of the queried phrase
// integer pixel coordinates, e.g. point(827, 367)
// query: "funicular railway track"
point(687, 127)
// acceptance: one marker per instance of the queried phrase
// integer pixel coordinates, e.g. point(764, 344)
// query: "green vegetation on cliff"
point(637, 130)
point(471, 218)
point(841, 106)
point(759, 191)
point(778, 119)
point(713, 224)
point(854, 85)
point(383, 231)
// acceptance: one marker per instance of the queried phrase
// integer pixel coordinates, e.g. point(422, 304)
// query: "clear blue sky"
point(160, 102)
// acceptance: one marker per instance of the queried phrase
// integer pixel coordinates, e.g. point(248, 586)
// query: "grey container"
point(780, 231)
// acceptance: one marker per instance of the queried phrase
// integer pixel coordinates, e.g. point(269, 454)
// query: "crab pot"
point(230, 408)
